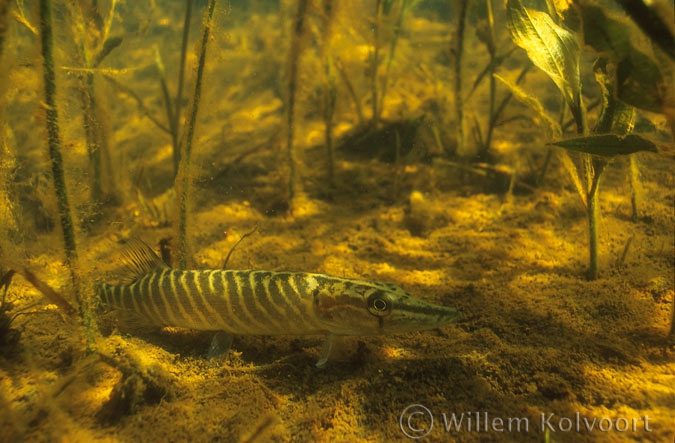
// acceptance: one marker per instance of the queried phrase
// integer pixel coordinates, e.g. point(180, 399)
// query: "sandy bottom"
point(540, 350)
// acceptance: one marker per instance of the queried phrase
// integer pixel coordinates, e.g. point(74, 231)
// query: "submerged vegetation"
point(468, 150)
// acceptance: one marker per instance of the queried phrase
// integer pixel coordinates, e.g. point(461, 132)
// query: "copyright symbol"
point(416, 421)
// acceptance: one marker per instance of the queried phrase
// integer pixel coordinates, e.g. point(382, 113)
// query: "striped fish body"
point(256, 302)
point(239, 302)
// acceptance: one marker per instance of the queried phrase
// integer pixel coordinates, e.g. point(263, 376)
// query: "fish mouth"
point(417, 315)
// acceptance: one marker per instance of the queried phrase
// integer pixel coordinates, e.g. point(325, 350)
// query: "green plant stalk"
point(4, 10)
point(329, 98)
point(622, 260)
point(634, 183)
point(549, 153)
point(175, 114)
point(492, 118)
point(139, 102)
point(390, 56)
point(592, 210)
point(54, 142)
point(293, 61)
point(375, 62)
point(329, 88)
point(593, 168)
point(93, 50)
point(352, 93)
point(459, 50)
point(491, 122)
point(183, 177)
point(92, 129)
point(169, 111)
point(671, 333)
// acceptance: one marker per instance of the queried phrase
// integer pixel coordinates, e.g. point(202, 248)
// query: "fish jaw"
point(412, 314)
point(376, 309)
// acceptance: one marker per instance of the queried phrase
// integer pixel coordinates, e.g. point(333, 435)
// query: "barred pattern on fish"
point(257, 302)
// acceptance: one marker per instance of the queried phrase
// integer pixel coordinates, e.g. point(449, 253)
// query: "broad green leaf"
point(534, 104)
point(616, 117)
point(550, 47)
point(639, 81)
point(608, 145)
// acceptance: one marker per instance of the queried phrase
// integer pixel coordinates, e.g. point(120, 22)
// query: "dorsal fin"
point(139, 259)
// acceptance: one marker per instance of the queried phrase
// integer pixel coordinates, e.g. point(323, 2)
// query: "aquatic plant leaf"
point(110, 44)
point(639, 81)
point(50, 293)
point(616, 117)
point(550, 47)
point(534, 104)
point(608, 145)
point(6, 279)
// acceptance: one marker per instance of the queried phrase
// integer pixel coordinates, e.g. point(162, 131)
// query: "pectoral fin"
point(220, 345)
point(325, 352)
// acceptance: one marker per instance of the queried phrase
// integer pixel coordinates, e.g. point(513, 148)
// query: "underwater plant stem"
point(634, 183)
point(671, 333)
point(183, 178)
point(592, 235)
point(329, 88)
point(175, 114)
point(458, 50)
point(491, 121)
point(374, 64)
point(4, 14)
point(492, 118)
point(593, 168)
point(352, 93)
point(169, 111)
point(328, 113)
point(390, 57)
point(54, 142)
point(89, 17)
point(92, 131)
point(139, 102)
point(293, 61)
point(579, 114)
point(596, 167)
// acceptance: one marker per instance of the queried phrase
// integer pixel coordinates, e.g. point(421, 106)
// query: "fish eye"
point(379, 304)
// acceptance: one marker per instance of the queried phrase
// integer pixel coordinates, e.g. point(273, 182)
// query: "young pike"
point(256, 302)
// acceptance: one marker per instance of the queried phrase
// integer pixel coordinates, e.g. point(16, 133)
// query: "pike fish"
point(258, 302)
